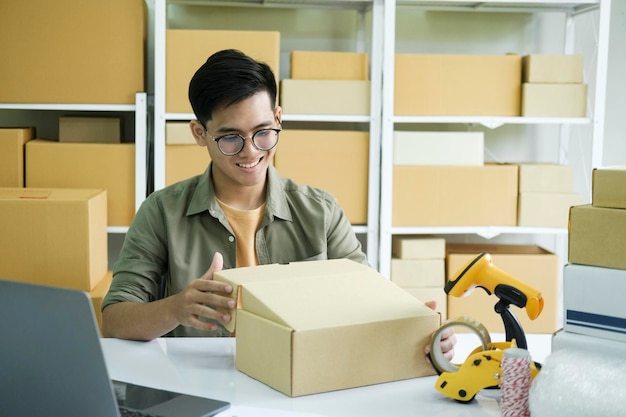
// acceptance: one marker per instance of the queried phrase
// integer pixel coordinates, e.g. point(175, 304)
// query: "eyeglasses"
point(232, 144)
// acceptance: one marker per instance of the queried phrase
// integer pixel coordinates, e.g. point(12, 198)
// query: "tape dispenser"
point(481, 369)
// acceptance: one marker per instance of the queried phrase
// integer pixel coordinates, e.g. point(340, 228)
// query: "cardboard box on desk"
point(86, 165)
point(609, 187)
point(325, 65)
point(67, 52)
point(187, 50)
point(437, 294)
point(552, 68)
point(455, 196)
point(297, 159)
point(596, 236)
point(317, 326)
point(531, 264)
point(54, 236)
point(457, 85)
point(12, 141)
point(349, 97)
point(593, 301)
point(554, 100)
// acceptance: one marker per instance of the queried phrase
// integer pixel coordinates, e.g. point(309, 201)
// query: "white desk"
point(205, 367)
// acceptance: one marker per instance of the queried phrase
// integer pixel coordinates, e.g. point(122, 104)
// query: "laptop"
point(51, 362)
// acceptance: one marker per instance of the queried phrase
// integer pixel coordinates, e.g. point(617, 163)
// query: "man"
point(240, 212)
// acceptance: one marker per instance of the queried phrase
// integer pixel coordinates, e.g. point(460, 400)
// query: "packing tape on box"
point(437, 358)
point(579, 383)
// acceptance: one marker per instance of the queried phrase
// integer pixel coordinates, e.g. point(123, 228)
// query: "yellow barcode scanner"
point(480, 272)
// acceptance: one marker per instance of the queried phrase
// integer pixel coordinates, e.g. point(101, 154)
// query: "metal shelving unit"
point(571, 9)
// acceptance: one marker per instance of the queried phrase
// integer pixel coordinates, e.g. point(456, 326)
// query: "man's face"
point(249, 166)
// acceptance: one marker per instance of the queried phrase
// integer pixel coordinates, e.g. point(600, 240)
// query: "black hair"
point(228, 77)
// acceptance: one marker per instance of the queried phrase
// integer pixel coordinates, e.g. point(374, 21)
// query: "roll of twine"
point(515, 383)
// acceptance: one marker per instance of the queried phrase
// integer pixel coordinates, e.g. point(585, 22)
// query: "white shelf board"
point(487, 232)
point(491, 121)
point(529, 6)
point(68, 106)
point(292, 117)
point(117, 229)
point(333, 4)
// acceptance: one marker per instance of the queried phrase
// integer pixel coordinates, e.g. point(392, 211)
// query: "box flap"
point(320, 294)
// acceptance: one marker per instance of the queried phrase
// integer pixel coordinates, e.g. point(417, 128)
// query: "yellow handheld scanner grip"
point(480, 272)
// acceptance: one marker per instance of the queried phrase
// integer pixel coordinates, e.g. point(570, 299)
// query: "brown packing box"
point(178, 133)
point(546, 209)
point(184, 161)
point(297, 159)
point(317, 326)
point(609, 187)
point(97, 295)
point(349, 97)
point(554, 100)
point(545, 178)
point(54, 236)
point(437, 294)
point(552, 68)
point(187, 50)
point(82, 129)
point(67, 51)
point(110, 166)
point(455, 196)
point(596, 236)
point(418, 272)
point(528, 263)
point(457, 85)
point(418, 247)
point(12, 141)
point(323, 65)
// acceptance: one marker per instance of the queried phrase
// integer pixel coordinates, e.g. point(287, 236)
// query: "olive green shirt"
point(178, 229)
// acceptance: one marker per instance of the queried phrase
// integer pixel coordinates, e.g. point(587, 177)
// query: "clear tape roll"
point(437, 358)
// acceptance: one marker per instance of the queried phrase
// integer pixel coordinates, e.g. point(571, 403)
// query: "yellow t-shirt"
point(245, 224)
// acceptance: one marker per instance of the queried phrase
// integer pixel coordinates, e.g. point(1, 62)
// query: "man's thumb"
point(216, 265)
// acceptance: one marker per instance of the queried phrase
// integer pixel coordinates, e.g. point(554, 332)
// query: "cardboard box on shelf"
point(111, 166)
point(593, 301)
point(187, 50)
point(54, 236)
point(530, 264)
point(554, 100)
point(298, 159)
point(12, 142)
point(545, 178)
point(418, 247)
point(83, 129)
point(552, 68)
point(455, 196)
point(85, 55)
point(184, 161)
point(546, 209)
point(312, 97)
point(418, 272)
point(438, 148)
point(97, 295)
point(436, 294)
point(178, 133)
point(609, 187)
point(308, 327)
point(596, 236)
point(457, 85)
point(325, 65)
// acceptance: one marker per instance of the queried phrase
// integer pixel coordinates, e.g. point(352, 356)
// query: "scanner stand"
point(512, 327)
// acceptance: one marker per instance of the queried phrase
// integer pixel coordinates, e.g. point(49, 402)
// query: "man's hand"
point(192, 304)
point(448, 338)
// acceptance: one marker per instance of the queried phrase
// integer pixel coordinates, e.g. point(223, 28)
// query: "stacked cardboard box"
point(545, 195)
point(55, 237)
point(530, 264)
point(553, 86)
point(183, 157)
point(12, 150)
point(315, 76)
point(418, 266)
point(594, 280)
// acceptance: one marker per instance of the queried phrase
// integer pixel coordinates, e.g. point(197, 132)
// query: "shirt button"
point(231, 239)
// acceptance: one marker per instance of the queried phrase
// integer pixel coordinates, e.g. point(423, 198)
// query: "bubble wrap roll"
point(579, 383)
